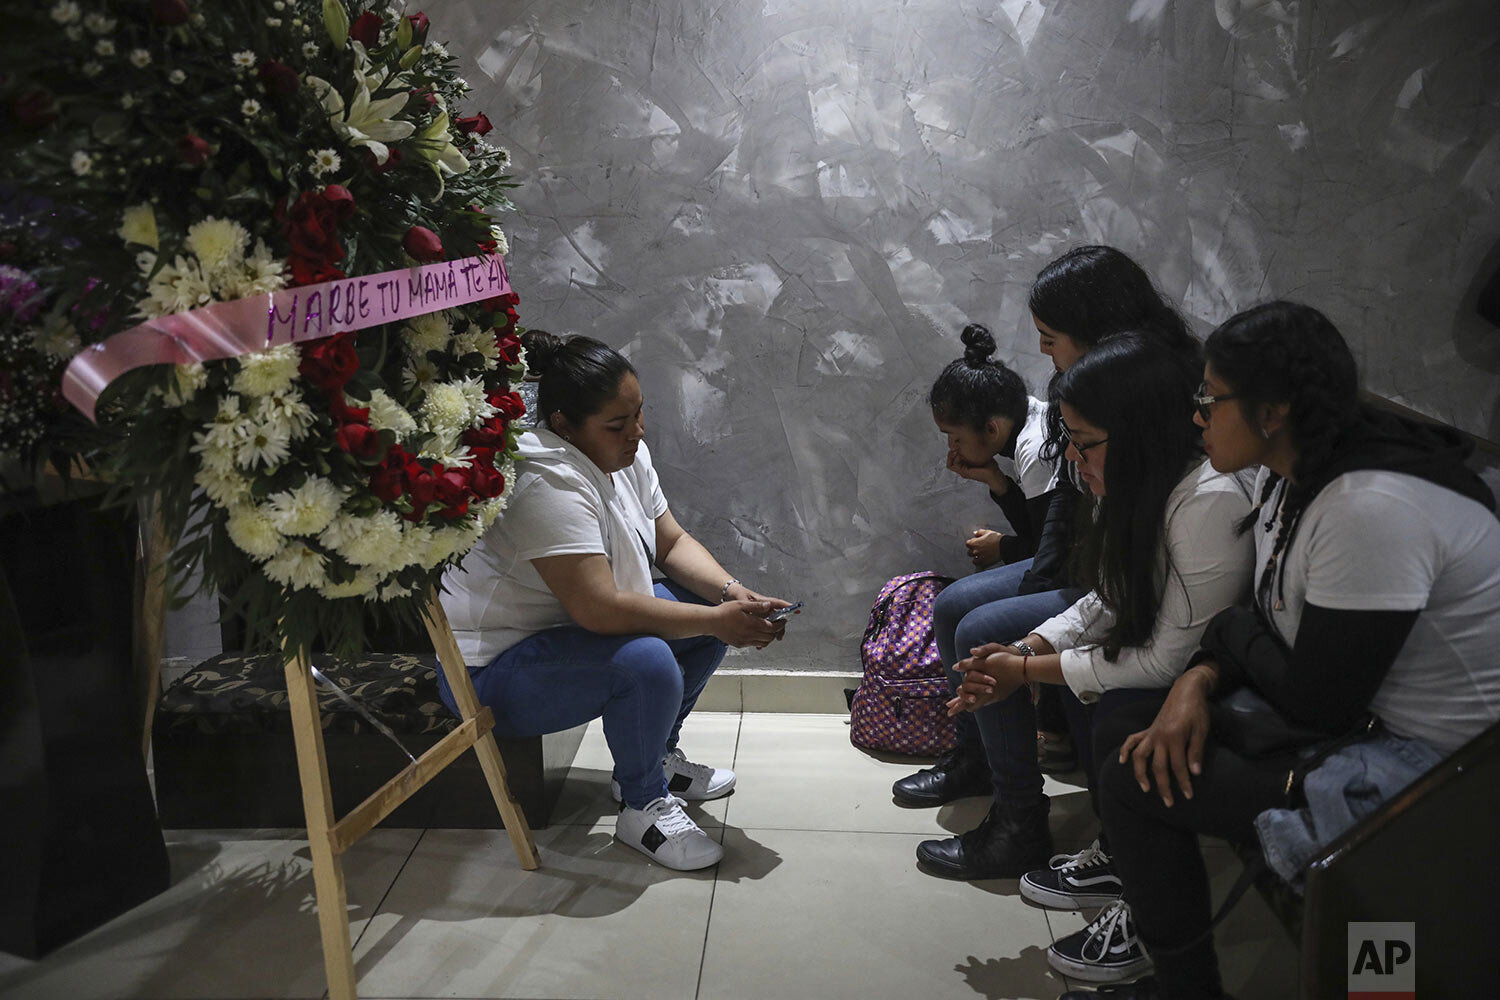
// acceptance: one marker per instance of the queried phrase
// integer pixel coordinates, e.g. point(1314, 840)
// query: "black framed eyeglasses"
point(1205, 400)
point(1081, 448)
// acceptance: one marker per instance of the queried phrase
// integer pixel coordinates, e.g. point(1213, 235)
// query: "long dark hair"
point(1140, 394)
point(1094, 292)
point(576, 376)
point(1284, 352)
point(974, 388)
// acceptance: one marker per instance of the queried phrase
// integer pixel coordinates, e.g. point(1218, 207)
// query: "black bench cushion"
point(235, 693)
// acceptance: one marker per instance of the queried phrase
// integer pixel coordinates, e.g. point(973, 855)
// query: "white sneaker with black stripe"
point(1074, 881)
point(1106, 951)
point(666, 834)
point(689, 781)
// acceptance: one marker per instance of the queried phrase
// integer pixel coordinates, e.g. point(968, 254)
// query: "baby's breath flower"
point(243, 59)
point(140, 58)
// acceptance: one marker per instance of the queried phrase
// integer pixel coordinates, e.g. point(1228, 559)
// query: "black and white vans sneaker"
point(664, 833)
point(1106, 951)
point(689, 781)
point(1074, 881)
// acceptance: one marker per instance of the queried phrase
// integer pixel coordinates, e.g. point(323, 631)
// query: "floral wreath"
point(244, 148)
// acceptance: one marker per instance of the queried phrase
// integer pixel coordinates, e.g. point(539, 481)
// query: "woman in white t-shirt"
point(1378, 595)
point(558, 607)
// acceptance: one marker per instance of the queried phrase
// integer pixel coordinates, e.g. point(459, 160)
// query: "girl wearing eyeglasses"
point(1163, 554)
point(1377, 595)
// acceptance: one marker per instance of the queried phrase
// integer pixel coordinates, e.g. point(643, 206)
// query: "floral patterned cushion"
point(235, 693)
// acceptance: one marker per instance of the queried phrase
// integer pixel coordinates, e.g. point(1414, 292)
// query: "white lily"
point(436, 144)
point(365, 122)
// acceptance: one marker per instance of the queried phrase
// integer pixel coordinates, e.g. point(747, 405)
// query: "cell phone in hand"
point(782, 614)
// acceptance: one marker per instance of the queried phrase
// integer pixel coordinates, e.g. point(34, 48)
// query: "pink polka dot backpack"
point(900, 705)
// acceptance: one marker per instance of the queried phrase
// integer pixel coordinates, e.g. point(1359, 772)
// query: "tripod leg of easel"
point(317, 803)
point(489, 753)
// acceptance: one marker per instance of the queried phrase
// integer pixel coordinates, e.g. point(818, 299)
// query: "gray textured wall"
point(784, 210)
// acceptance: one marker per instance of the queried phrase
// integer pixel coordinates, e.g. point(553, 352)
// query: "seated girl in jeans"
point(1378, 592)
point(558, 605)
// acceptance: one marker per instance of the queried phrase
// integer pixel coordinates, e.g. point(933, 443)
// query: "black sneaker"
point(1074, 881)
point(959, 772)
point(1005, 844)
point(1141, 989)
point(1106, 951)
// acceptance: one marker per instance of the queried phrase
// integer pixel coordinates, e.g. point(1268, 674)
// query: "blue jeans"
point(986, 608)
point(642, 686)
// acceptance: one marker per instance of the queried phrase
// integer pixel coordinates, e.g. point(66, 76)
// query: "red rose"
point(474, 124)
point(311, 272)
point(485, 482)
point(422, 244)
point(193, 150)
point(419, 25)
point(34, 109)
point(510, 405)
point(389, 480)
point(428, 97)
point(391, 162)
point(497, 302)
point(330, 363)
point(346, 414)
point(366, 29)
point(509, 346)
point(170, 12)
point(338, 198)
point(279, 79)
point(359, 440)
point(490, 437)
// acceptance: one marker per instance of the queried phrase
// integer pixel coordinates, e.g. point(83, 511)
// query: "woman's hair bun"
point(979, 345)
point(541, 348)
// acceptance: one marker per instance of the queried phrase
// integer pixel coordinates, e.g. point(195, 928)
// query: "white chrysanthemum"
point(99, 24)
point(325, 161)
point(82, 163)
point(449, 452)
point(502, 245)
point(297, 566)
point(376, 542)
point(393, 591)
point(65, 12)
point(57, 339)
point(307, 509)
point(421, 373)
point(186, 381)
point(344, 528)
point(489, 511)
point(428, 332)
point(452, 541)
point(477, 341)
point(138, 225)
point(267, 373)
point(479, 408)
point(309, 49)
point(253, 531)
point(435, 49)
point(176, 76)
point(104, 47)
point(140, 58)
point(286, 409)
point(259, 273)
point(218, 244)
point(364, 583)
point(177, 287)
point(415, 540)
point(224, 487)
point(266, 444)
point(249, 107)
point(388, 415)
point(445, 408)
point(243, 59)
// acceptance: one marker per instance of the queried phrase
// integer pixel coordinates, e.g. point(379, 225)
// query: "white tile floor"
point(818, 896)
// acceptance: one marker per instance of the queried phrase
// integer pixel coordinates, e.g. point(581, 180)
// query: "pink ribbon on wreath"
point(292, 315)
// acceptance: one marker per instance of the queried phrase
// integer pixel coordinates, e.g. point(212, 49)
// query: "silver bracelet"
point(724, 591)
point(1023, 648)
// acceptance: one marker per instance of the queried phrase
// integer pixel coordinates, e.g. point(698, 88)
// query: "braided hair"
point(1094, 292)
point(1284, 352)
point(973, 389)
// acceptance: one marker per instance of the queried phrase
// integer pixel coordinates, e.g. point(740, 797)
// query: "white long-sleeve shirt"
point(1211, 567)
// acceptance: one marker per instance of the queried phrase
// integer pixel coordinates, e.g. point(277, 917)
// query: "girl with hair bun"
point(557, 607)
point(1377, 611)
